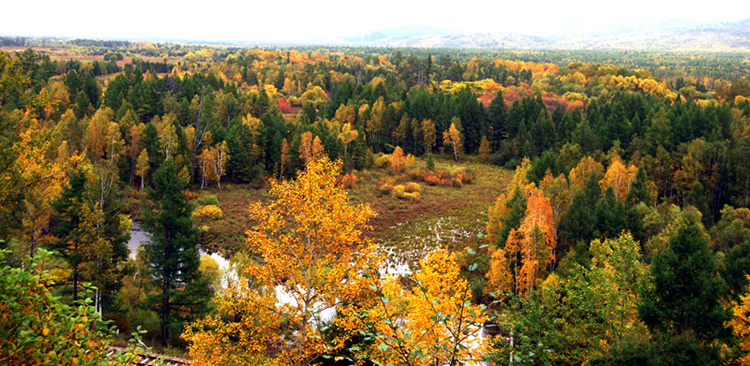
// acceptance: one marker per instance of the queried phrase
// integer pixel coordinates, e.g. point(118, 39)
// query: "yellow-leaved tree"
point(452, 138)
point(431, 323)
point(619, 177)
point(312, 257)
point(741, 326)
point(581, 172)
point(347, 135)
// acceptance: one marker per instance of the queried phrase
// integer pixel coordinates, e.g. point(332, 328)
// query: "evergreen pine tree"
point(91, 237)
point(172, 254)
point(498, 115)
point(683, 307)
point(65, 221)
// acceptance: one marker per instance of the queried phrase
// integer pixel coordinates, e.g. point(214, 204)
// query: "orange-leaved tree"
point(516, 267)
point(398, 161)
point(312, 257)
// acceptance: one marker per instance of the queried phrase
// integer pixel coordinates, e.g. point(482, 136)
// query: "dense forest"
point(621, 236)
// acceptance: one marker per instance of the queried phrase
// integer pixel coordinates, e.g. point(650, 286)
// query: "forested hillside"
point(632, 35)
point(620, 236)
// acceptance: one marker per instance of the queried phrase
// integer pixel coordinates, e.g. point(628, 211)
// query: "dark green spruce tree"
point(172, 254)
point(682, 308)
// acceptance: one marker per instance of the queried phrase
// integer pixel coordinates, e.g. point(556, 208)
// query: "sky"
point(306, 21)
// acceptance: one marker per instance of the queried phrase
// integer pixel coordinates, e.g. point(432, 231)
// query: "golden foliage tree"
point(428, 135)
point(375, 122)
point(168, 140)
point(452, 138)
point(204, 162)
point(313, 253)
point(398, 161)
point(497, 215)
point(97, 133)
point(220, 156)
point(47, 179)
point(142, 166)
point(619, 177)
point(318, 149)
point(581, 172)
point(305, 147)
point(284, 157)
point(347, 135)
point(740, 324)
point(431, 323)
point(213, 162)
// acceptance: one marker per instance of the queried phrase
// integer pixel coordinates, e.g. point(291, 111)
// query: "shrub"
point(207, 200)
point(383, 161)
point(190, 194)
point(467, 175)
point(348, 181)
point(412, 187)
point(414, 196)
point(39, 328)
point(208, 212)
point(385, 186)
point(410, 161)
point(456, 182)
point(430, 161)
point(432, 180)
point(398, 191)
point(402, 192)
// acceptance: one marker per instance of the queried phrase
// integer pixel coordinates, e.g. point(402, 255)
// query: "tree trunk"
point(197, 141)
point(164, 315)
point(75, 275)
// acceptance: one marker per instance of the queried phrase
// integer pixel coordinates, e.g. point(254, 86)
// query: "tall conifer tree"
point(172, 254)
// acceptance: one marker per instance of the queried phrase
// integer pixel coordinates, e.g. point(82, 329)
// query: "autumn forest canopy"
point(372, 206)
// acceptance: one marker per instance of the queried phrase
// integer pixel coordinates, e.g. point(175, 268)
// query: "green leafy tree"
point(575, 315)
point(736, 268)
point(172, 253)
point(91, 233)
point(36, 328)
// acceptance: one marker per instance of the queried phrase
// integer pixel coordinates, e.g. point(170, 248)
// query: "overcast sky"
point(309, 20)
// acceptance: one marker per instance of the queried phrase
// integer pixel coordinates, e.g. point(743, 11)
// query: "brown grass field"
point(61, 54)
point(404, 229)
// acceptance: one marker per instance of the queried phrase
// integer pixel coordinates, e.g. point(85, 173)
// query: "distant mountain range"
point(643, 36)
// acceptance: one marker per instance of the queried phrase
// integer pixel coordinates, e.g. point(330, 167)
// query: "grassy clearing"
point(444, 217)
point(405, 229)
